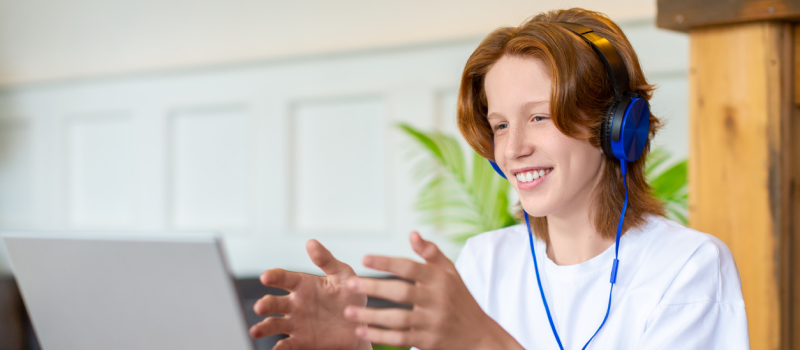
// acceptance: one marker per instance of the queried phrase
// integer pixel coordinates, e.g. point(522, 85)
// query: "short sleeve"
point(703, 306)
point(701, 325)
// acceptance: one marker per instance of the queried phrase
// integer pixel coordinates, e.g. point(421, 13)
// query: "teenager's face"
point(553, 173)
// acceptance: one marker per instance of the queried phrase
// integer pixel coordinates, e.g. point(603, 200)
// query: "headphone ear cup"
point(605, 130)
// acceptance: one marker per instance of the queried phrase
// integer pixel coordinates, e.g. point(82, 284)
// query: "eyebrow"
point(524, 106)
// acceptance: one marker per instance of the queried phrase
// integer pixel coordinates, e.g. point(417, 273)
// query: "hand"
point(313, 310)
point(445, 315)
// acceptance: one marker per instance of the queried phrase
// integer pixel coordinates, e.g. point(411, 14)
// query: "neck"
point(573, 242)
point(573, 237)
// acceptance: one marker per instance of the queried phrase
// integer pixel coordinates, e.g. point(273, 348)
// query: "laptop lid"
point(112, 290)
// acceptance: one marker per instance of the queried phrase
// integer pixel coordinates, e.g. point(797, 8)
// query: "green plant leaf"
point(456, 198)
point(670, 185)
point(656, 157)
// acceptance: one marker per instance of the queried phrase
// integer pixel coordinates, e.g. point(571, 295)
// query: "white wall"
point(46, 40)
point(269, 154)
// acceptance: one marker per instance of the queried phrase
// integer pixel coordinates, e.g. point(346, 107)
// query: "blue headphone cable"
point(624, 169)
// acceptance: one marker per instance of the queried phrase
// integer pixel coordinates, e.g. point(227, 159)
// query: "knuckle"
point(265, 305)
point(431, 250)
point(406, 319)
point(366, 285)
point(402, 338)
point(411, 269)
point(451, 271)
point(378, 262)
point(399, 268)
point(406, 292)
point(416, 269)
point(277, 324)
point(259, 307)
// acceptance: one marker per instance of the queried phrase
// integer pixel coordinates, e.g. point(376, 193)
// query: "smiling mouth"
point(529, 176)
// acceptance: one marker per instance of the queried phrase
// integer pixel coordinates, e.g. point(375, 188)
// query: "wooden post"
point(744, 137)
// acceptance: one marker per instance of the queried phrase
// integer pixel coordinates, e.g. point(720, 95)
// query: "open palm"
point(313, 311)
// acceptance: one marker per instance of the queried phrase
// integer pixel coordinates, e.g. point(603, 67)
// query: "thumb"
point(429, 251)
point(323, 258)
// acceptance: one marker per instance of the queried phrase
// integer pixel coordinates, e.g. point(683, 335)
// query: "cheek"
point(585, 163)
point(498, 155)
point(577, 161)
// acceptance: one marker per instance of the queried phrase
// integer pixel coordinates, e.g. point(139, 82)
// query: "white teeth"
point(532, 175)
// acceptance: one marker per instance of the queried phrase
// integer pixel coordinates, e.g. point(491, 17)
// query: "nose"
point(518, 144)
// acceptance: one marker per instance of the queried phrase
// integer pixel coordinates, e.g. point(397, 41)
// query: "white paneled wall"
point(16, 172)
point(268, 154)
point(338, 173)
point(210, 168)
point(99, 171)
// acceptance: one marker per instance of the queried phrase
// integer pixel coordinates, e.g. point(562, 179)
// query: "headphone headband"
point(615, 66)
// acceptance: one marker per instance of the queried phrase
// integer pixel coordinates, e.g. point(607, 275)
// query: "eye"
point(539, 118)
point(500, 126)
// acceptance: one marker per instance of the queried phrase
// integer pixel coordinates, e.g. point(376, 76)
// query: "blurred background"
point(270, 122)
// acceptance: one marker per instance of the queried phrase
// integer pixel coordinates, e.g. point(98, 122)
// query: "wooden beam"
point(797, 65)
point(792, 201)
point(682, 15)
point(740, 165)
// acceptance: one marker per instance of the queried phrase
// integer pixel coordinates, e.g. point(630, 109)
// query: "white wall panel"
point(100, 172)
point(339, 173)
point(16, 174)
point(210, 162)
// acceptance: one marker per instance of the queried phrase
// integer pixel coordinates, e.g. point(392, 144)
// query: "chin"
point(536, 208)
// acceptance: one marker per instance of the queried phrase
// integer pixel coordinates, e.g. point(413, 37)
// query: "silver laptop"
point(111, 290)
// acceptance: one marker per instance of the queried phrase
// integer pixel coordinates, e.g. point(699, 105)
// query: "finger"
point(270, 326)
point(323, 258)
point(402, 267)
point(281, 278)
point(393, 290)
point(289, 343)
point(272, 304)
point(389, 318)
point(429, 251)
point(384, 336)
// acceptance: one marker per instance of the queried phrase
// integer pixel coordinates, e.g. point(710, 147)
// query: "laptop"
point(126, 291)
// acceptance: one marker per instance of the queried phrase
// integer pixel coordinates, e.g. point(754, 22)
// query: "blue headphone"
point(623, 136)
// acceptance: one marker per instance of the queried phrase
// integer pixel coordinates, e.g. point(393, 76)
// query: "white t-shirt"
point(676, 288)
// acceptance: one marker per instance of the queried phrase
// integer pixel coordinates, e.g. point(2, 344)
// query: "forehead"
point(513, 81)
